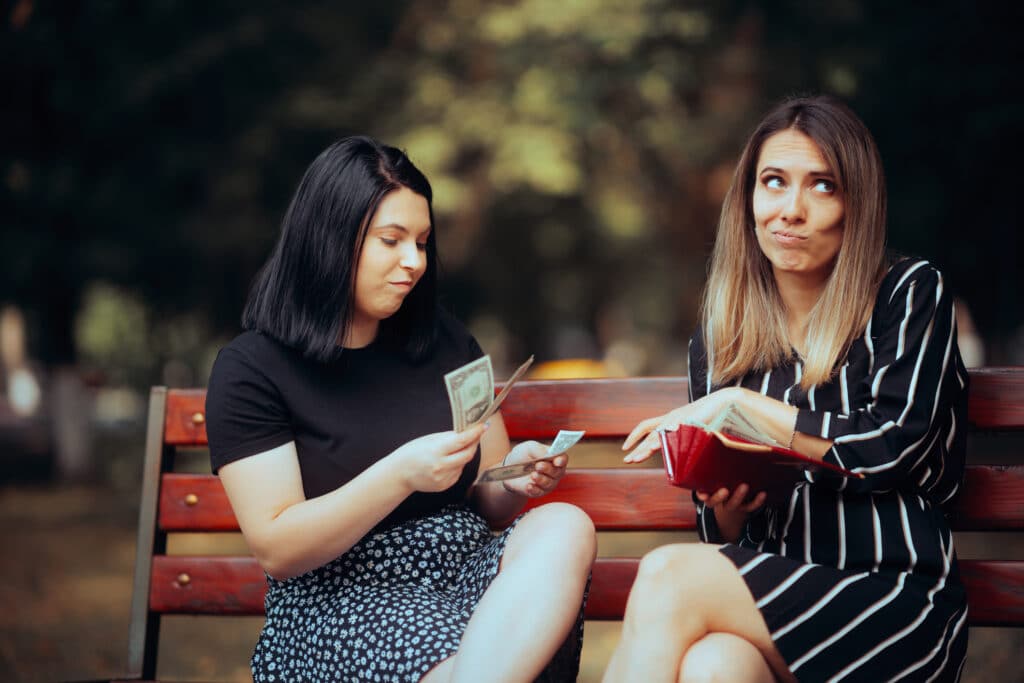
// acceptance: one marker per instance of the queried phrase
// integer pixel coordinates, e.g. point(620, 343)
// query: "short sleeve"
point(245, 413)
point(910, 390)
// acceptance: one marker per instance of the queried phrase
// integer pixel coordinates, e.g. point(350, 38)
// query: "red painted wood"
point(206, 584)
point(181, 427)
point(621, 499)
point(991, 499)
point(236, 585)
point(996, 398)
point(612, 407)
point(602, 407)
point(995, 592)
point(210, 512)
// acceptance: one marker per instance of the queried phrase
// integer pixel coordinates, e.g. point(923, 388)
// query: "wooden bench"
point(618, 498)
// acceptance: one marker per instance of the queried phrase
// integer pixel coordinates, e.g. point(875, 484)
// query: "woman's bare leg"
point(723, 657)
point(529, 609)
point(683, 593)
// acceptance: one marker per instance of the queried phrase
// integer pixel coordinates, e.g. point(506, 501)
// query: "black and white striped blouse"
point(896, 413)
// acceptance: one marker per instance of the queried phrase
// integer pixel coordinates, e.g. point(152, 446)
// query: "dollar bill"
point(516, 376)
point(470, 392)
point(563, 441)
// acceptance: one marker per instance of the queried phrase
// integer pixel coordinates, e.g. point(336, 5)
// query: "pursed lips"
point(785, 237)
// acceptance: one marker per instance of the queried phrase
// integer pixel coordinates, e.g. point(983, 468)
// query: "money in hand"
point(470, 392)
point(563, 442)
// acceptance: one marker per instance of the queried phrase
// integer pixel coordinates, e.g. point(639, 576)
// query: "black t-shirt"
point(342, 416)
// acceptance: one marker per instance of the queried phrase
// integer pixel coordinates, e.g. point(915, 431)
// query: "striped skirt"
point(847, 625)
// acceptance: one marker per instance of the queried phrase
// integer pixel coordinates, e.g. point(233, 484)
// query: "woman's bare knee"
point(559, 526)
point(723, 657)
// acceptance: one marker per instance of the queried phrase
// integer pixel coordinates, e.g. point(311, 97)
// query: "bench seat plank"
point(610, 408)
point(235, 586)
point(619, 499)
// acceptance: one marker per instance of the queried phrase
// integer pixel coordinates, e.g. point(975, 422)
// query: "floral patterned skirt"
point(391, 608)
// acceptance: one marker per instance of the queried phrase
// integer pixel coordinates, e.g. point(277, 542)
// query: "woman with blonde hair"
point(845, 355)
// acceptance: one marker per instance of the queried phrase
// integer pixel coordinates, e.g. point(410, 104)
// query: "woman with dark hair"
point(330, 428)
point(845, 355)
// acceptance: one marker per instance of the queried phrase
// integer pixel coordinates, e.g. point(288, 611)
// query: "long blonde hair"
point(744, 320)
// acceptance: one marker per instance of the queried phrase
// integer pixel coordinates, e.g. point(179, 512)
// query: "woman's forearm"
point(311, 533)
point(778, 420)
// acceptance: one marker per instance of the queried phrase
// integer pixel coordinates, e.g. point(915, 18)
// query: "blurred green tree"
point(579, 150)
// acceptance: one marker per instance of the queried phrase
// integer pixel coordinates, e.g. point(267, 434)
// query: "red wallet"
point(696, 458)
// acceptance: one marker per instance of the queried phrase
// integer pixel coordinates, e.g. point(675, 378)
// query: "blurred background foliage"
point(579, 152)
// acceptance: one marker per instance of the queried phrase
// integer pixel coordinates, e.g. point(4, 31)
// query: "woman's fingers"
point(758, 501)
point(640, 431)
point(644, 450)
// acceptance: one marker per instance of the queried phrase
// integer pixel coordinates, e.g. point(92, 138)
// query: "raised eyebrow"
point(818, 174)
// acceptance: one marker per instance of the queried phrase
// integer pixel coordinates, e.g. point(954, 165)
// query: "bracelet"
point(791, 438)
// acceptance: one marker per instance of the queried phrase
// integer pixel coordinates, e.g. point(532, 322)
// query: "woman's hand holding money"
point(434, 462)
point(645, 438)
point(543, 479)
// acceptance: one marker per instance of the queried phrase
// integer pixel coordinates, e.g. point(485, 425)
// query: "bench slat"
point(620, 499)
point(637, 500)
point(612, 407)
point(235, 586)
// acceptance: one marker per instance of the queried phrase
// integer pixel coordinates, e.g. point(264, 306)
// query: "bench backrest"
point(616, 499)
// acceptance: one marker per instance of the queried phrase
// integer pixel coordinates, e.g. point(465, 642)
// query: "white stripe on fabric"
point(752, 563)
point(876, 529)
point(903, 279)
point(841, 516)
point(870, 346)
point(956, 487)
point(924, 477)
point(952, 428)
point(813, 609)
point(844, 389)
point(789, 519)
point(910, 403)
point(764, 383)
point(807, 524)
point(909, 308)
point(856, 621)
point(810, 397)
point(947, 639)
point(826, 421)
point(909, 628)
point(907, 534)
point(781, 588)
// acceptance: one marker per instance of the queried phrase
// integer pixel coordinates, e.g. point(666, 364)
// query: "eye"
point(422, 246)
point(388, 241)
point(773, 182)
point(824, 186)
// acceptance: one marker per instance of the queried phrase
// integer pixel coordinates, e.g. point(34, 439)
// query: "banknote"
point(516, 376)
point(470, 392)
point(563, 442)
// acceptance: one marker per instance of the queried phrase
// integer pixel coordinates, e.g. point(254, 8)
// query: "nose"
point(413, 260)
point(793, 210)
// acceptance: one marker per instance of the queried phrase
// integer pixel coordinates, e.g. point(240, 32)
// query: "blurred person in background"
point(330, 427)
point(843, 354)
